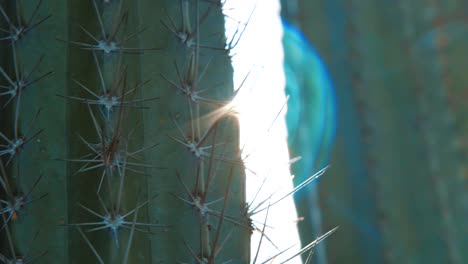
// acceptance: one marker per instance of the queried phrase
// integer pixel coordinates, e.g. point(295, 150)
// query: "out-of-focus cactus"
point(311, 126)
point(98, 165)
point(397, 186)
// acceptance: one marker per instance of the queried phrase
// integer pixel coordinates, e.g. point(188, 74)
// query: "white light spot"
point(263, 130)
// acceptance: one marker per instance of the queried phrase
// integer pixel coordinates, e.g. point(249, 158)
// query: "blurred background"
point(393, 125)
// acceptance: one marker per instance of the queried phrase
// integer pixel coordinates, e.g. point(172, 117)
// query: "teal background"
point(397, 185)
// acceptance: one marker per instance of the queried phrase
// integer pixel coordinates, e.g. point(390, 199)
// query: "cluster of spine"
point(17, 129)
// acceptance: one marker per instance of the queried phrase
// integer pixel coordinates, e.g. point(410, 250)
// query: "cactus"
point(397, 187)
point(128, 152)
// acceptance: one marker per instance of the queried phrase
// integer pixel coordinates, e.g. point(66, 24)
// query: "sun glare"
point(261, 104)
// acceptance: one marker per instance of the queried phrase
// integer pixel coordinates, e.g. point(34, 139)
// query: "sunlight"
point(261, 103)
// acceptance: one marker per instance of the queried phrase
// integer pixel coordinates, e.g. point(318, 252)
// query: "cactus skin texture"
point(156, 177)
point(397, 185)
